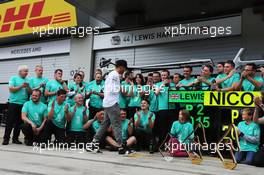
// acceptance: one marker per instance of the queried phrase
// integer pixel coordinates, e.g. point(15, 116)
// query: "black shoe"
point(17, 142)
point(5, 142)
point(124, 149)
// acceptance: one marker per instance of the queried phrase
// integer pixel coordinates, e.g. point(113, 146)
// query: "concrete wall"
point(253, 35)
point(81, 56)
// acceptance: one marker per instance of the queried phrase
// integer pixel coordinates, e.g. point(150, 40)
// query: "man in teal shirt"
point(96, 94)
point(58, 114)
point(205, 80)
point(78, 115)
point(227, 81)
point(39, 82)
point(166, 111)
point(187, 73)
point(248, 80)
point(34, 115)
point(249, 138)
point(19, 92)
point(54, 85)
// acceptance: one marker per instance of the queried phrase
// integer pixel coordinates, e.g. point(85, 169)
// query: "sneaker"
point(124, 149)
point(17, 142)
point(5, 142)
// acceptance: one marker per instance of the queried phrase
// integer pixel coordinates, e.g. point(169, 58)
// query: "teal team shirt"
point(53, 86)
point(75, 87)
point(163, 97)
point(186, 82)
point(36, 112)
point(96, 125)
point(21, 96)
point(77, 119)
point(153, 106)
point(248, 86)
point(35, 83)
point(135, 100)
point(144, 123)
point(123, 100)
point(251, 129)
point(124, 126)
point(229, 82)
point(95, 100)
point(181, 131)
point(58, 119)
point(206, 86)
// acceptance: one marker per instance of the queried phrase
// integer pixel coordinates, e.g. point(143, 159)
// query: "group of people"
point(123, 110)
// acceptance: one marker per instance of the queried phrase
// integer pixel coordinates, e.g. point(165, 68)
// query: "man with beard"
point(34, 115)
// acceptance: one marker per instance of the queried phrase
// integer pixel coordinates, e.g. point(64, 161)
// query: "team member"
point(96, 93)
point(77, 87)
point(34, 115)
point(78, 115)
point(166, 110)
point(187, 74)
point(227, 81)
point(85, 84)
point(262, 75)
point(54, 85)
point(144, 123)
point(123, 98)
point(156, 77)
point(248, 80)
point(149, 93)
point(57, 115)
point(135, 94)
point(205, 80)
point(182, 130)
point(176, 79)
point(39, 82)
point(111, 106)
point(19, 91)
point(249, 138)
point(258, 118)
point(220, 68)
point(149, 77)
point(127, 131)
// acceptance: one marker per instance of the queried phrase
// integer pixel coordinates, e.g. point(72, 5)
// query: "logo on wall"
point(21, 17)
point(116, 40)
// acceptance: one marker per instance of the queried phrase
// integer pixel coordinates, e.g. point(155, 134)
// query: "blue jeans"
point(245, 157)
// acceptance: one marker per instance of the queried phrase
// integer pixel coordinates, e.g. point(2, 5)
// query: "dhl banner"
point(20, 17)
point(214, 98)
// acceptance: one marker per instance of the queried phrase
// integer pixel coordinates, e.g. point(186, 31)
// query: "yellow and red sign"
point(23, 17)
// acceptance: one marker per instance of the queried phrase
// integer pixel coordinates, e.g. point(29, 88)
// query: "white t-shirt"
point(111, 89)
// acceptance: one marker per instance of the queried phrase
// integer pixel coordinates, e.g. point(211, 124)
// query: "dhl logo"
point(21, 17)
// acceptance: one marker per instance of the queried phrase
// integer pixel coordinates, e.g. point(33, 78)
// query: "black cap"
point(119, 63)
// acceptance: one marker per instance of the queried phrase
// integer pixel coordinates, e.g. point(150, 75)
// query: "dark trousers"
point(76, 137)
point(245, 157)
point(50, 129)
point(13, 121)
point(29, 134)
point(144, 139)
point(163, 123)
point(259, 159)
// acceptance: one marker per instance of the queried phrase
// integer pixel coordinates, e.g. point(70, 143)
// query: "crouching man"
point(249, 138)
point(34, 115)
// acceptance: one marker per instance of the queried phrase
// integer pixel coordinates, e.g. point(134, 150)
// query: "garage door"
point(8, 68)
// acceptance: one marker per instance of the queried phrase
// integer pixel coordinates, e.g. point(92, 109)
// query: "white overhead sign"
point(223, 27)
point(37, 49)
